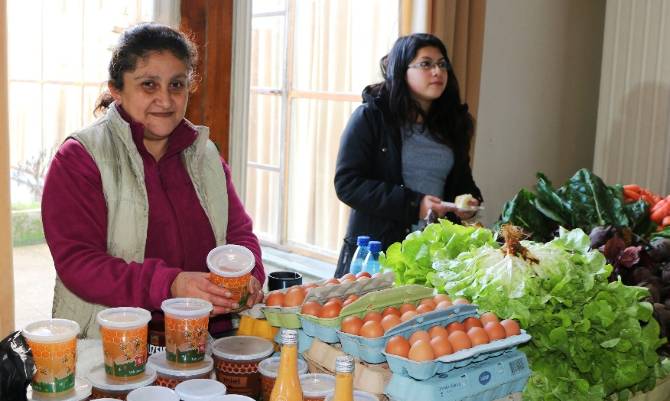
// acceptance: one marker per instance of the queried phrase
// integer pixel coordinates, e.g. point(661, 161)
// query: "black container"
point(284, 279)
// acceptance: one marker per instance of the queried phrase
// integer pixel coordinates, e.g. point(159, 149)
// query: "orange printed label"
point(55, 363)
point(125, 351)
point(238, 286)
point(185, 339)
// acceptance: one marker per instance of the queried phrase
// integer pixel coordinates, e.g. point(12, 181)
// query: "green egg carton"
point(326, 329)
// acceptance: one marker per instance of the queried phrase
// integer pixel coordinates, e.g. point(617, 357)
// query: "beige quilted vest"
point(109, 141)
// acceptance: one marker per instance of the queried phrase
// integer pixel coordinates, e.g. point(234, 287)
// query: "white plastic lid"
point(270, 367)
point(123, 318)
point(317, 384)
point(152, 393)
point(199, 389)
point(159, 362)
point(51, 330)
point(99, 379)
point(231, 397)
point(242, 348)
point(80, 392)
point(230, 260)
point(187, 307)
point(358, 396)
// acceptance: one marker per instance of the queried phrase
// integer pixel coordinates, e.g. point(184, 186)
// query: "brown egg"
point(438, 331)
point(371, 329)
point(429, 302)
point(421, 351)
point(511, 327)
point(455, 326)
point(308, 286)
point(460, 301)
point(478, 336)
point(363, 278)
point(441, 297)
point(419, 335)
point(391, 311)
point(495, 331)
point(330, 310)
point(406, 308)
point(336, 300)
point(294, 296)
point(347, 277)
point(398, 345)
point(332, 281)
point(372, 315)
point(441, 346)
point(352, 325)
point(311, 308)
point(351, 298)
point(472, 322)
point(390, 321)
point(488, 317)
point(408, 315)
point(275, 298)
point(363, 274)
point(424, 309)
point(459, 340)
point(443, 305)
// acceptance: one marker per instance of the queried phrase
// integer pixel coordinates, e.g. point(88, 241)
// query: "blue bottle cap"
point(375, 246)
point(362, 240)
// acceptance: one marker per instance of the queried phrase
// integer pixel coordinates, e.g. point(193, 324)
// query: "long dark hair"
point(136, 43)
point(448, 120)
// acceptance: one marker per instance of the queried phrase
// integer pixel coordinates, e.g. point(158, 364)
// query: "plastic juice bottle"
point(344, 378)
point(361, 252)
point(287, 385)
point(371, 263)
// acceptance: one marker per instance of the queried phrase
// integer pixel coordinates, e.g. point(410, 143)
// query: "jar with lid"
point(169, 376)
point(105, 387)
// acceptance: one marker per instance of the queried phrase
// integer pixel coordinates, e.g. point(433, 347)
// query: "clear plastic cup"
point(152, 393)
point(230, 267)
point(316, 386)
point(169, 376)
point(124, 341)
point(200, 389)
point(186, 321)
point(268, 368)
point(106, 386)
point(54, 346)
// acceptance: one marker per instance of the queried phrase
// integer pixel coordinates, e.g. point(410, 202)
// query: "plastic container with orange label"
point(54, 346)
point(124, 341)
point(236, 362)
point(170, 377)
point(230, 267)
point(105, 386)
point(186, 321)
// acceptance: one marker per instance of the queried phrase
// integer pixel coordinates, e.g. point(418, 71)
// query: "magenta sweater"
point(179, 235)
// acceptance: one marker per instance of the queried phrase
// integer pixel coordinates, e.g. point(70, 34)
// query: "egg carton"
point(304, 341)
point(287, 317)
point(372, 349)
point(327, 329)
point(492, 379)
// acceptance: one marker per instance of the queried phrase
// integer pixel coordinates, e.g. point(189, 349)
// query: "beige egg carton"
point(367, 377)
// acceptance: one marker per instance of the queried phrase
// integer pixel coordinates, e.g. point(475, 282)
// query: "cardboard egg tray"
point(500, 376)
point(287, 317)
point(372, 349)
point(327, 329)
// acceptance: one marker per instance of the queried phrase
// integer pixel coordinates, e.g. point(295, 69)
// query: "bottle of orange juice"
point(344, 378)
point(287, 385)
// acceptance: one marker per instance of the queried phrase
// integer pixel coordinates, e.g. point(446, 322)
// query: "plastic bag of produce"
point(16, 368)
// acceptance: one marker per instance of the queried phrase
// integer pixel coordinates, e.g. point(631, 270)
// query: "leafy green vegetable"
point(584, 201)
point(591, 338)
point(412, 259)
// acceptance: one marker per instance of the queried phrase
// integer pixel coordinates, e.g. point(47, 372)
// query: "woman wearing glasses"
point(405, 149)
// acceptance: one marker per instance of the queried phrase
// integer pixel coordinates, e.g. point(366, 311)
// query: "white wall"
point(539, 94)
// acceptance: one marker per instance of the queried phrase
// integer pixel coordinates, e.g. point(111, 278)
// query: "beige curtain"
point(6, 267)
point(460, 25)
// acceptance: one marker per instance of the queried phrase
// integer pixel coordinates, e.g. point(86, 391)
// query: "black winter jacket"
point(368, 178)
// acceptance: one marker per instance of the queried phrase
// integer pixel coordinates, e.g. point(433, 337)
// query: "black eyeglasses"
point(429, 65)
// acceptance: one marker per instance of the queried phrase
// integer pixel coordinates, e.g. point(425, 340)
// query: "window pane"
point(91, 95)
point(338, 44)
point(262, 202)
point(25, 122)
point(265, 6)
point(24, 39)
point(315, 216)
point(62, 112)
point(267, 52)
point(62, 40)
point(265, 121)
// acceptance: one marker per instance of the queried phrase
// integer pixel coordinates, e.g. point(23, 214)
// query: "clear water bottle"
point(361, 252)
point(371, 262)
